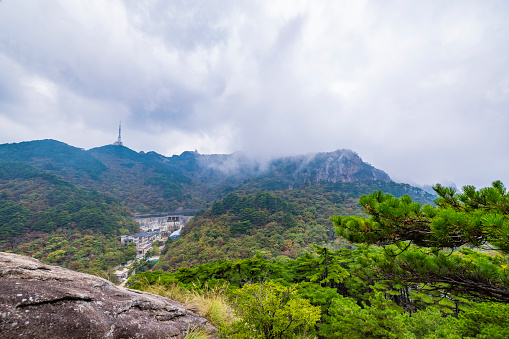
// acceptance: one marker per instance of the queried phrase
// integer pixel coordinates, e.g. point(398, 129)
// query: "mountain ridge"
point(187, 180)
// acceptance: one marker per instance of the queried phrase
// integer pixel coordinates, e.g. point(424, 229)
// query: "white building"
point(122, 274)
point(142, 240)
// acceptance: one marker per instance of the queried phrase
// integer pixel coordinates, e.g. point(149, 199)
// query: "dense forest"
point(48, 218)
point(272, 224)
point(138, 181)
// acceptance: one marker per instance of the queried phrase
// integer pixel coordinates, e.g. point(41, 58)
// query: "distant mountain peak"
point(342, 165)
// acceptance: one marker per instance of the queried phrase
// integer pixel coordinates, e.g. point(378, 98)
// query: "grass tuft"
point(196, 333)
point(210, 303)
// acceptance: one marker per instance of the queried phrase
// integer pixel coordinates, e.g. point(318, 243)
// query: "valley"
point(114, 183)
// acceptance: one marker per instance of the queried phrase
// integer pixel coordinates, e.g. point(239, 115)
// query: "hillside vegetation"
point(277, 224)
point(416, 271)
point(342, 286)
point(46, 217)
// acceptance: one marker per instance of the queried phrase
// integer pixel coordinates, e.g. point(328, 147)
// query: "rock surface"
point(339, 166)
point(42, 301)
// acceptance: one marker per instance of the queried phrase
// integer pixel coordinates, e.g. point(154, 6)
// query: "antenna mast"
point(119, 141)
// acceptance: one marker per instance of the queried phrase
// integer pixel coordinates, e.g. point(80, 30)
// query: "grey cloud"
point(10, 86)
point(184, 25)
point(418, 89)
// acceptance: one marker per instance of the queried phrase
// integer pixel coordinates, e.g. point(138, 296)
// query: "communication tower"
point(119, 141)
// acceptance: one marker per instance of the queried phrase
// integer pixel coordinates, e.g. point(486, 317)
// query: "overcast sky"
point(419, 89)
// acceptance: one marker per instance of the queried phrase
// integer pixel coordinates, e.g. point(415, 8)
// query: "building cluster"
point(153, 229)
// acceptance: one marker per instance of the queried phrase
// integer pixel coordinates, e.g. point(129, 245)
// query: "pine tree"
point(459, 246)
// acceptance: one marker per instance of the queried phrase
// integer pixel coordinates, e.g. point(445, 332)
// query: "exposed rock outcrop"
point(341, 166)
point(338, 166)
point(42, 301)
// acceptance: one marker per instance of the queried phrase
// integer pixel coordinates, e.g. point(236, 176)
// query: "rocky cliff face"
point(338, 166)
point(41, 301)
point(342, 166)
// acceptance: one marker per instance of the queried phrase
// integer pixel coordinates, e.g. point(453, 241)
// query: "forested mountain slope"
point(46, 217)
point(137, 180)
point(337, 166)
point(412, 270)
point(153, 182)
point(276, 224)
point(142, 182)
point(55, 157)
